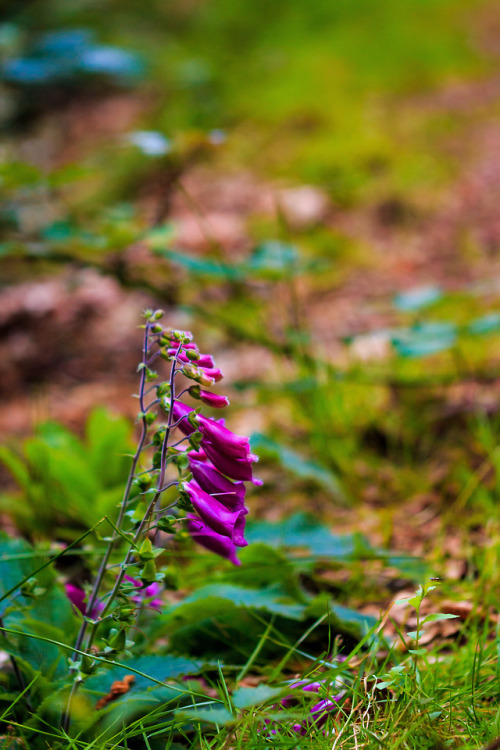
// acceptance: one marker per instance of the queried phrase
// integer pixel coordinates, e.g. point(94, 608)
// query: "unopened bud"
point(148, 573)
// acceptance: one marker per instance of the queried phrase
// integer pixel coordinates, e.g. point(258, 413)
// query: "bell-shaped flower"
point(213, 399)
point(234, 468)
point(181, 412)
point(215, 515)
point(230, 494)
point(146, 595)
point(236, 446)
point(204, 535)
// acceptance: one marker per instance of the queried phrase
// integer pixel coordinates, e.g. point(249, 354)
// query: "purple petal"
point(213, 399)
point(215, 515)
point(230, 494)
point(212, 541)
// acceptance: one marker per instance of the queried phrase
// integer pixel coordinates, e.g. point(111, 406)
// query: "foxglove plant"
point(194, 480)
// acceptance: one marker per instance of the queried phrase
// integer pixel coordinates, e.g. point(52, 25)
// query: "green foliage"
point(66, 484)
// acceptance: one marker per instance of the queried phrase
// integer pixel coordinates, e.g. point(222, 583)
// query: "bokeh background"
point(312, 188)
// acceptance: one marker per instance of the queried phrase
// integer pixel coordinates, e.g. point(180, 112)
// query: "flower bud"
point(148, 573)
point(146, 550)
point(213, 399)
point(118, 639)
point(158, 314)
point(190, 371)
point(194, 391)
point(192, 354)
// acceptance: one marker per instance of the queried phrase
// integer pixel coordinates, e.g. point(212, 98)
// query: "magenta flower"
point(204, 360)
point(215, 515)
point(230, 494)
point(228, 452)
point(212, 541)
point(78, 598)
point(222, 439)
point(146, 595)
point(212, 372)
point(213, 399)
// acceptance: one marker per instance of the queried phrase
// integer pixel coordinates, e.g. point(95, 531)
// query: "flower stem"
point(123, 505)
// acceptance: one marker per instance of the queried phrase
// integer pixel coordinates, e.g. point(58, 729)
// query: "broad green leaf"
point(248, 696)
point(341, 619)
point(203, 266)
point(297, 464)
point(416, 299)
point(160, 667)
point(15, 565)
point(108, 439)
point(208, 601)
point(425, 339)
point(301, 530)
point(215, 714)
point(485, 324)
point(263, 566)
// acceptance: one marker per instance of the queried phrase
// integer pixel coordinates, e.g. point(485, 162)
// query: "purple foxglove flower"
point(230, 494)
point(78, 596)
point(215, 515)
point(204, 535)
point(180, 411)
point(205, 360)
point(235, 468)
point(198, 455)
point(214, 400)
point(236, 446)
point(147, 594)
point(212, 372)
point(229, 453)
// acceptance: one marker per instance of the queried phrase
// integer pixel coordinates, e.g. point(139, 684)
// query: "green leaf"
point(485, 324)
point(439, 616)
point(208, 600)
point(341, 619)
point(301, 530)
point(15, 564)
point(297, 464)
point(203, 267)
point(109, 441)
point(215, 714)
point(160, 667)
point(248, 696)
point(416, 299)
point(425, 339)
